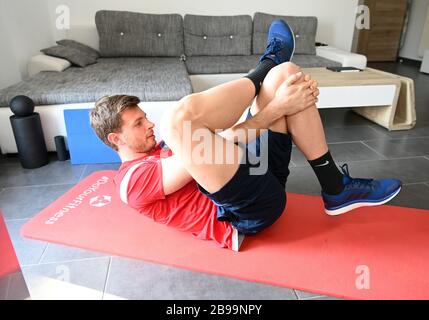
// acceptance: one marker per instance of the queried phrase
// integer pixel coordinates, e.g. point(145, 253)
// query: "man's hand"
point(297, 93)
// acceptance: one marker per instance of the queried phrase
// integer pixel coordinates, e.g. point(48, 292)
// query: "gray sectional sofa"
point(155, 58)
point(152, 56)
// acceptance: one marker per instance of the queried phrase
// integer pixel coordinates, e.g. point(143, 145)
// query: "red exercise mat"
point(371, 253)
point(8, 261)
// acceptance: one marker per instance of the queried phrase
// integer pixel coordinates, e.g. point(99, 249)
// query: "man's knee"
point(281, 72)
point(286, 69)
point(289, 68)
point(183, 112)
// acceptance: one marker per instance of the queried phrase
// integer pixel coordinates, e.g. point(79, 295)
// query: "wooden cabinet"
point(381, 42)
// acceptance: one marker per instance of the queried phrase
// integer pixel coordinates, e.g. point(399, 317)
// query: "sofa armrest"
point(43, 62)
point(347, 59)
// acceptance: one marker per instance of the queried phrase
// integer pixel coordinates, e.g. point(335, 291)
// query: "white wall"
point(25, 29)
point(414, 33)
point(424, 43)
point(9, 69)
point(336, 17)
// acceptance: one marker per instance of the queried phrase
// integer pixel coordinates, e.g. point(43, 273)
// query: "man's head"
point(120, 123)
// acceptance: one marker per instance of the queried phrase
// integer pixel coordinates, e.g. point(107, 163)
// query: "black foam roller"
point(30, 141)
point(60, 146)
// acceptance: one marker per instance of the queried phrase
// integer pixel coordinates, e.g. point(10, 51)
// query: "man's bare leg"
point(305, 127)
point(204, 113)
point(308, 134)
point(220, 108)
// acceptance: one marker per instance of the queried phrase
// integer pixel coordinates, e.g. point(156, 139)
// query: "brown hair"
point(106, 117)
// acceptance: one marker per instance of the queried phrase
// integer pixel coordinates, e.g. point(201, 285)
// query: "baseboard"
point(410, 62)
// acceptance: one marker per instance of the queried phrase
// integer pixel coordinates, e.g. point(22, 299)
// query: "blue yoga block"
point(84, 145)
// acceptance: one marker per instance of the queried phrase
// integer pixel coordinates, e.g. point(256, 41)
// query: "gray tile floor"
point(55, 272)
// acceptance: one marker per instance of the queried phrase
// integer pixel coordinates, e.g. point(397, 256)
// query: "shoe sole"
point(237, 240)
point(294, 42)
point(361, 204)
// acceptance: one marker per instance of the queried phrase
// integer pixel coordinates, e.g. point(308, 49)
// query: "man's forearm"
point(251, 129)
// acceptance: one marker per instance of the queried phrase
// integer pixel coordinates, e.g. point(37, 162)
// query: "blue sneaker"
point(360, 193)
point(281, 43)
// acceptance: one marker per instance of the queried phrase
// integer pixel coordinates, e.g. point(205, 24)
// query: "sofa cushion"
point(151, 79)
point(132, 34)
point(243, 64)
point(80, 46)
point(221, 64)
point(73, 55)
point(305, 29)
point(42, 62)
point(313, 61)
point(217, 35)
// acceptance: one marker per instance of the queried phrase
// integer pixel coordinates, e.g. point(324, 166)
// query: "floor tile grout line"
point(296, 294)
point(378, 153)
point(40, 185)
point(387, 137)
point(415, 183)
point(398, 139)
point(316, 297)
point(345, 126)
point(43, 253)
point(107, 277)
point(5, 165)
point(405, 158)
point(13, 220)
point(396, 158)
point(14, 161)
point(344, 142)
point(369, 140)
point(81, 175)
point(9, 281)
point(369, 160)
point(312, 298)
point(339, 142)
point(63, 261)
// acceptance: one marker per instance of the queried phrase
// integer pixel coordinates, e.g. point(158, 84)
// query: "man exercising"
point(233, 183)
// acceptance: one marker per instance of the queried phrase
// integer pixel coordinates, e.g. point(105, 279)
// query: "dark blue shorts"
point(255, 197)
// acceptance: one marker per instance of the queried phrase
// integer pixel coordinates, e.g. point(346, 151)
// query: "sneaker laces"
point(358, 183)
point(274, 46)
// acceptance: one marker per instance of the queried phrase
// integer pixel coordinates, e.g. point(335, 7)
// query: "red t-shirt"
point(139, 183)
